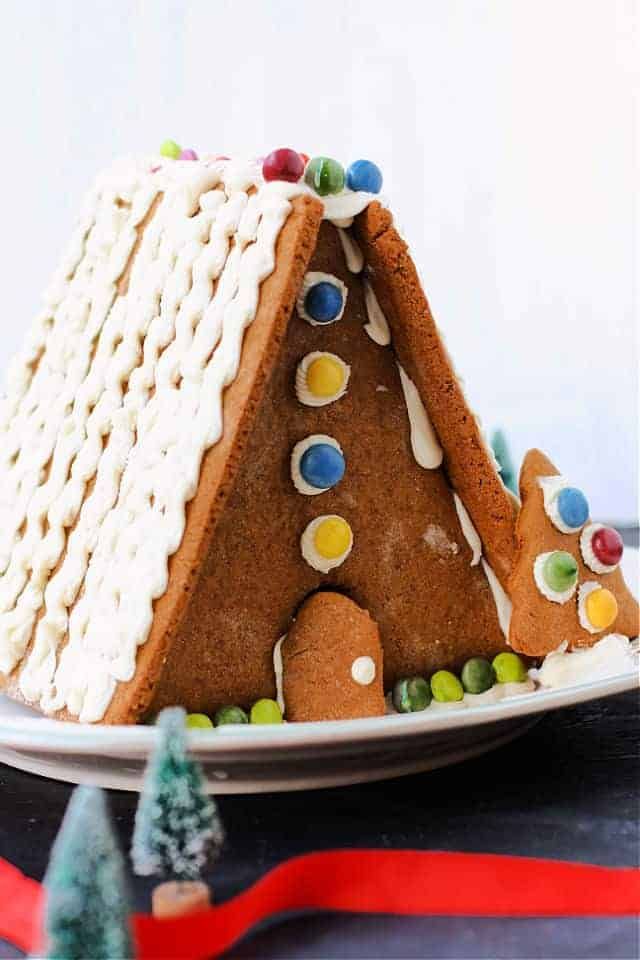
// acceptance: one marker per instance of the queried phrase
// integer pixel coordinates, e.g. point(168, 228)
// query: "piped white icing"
point(353, 256)
point(310, 280)
point(377, 327)
point(608, 657)
point(556, 596)
point(303, 393)
point(583, 592)
point(345, 206)
point(436, 705)
point(551, 487)
point(469, 531)
point(501, 600)
point(311, 555)
point(298, 452)
point(122, 389)
point(515, 689)
point(278, 672)
point(363, 670)
point(424, 443)
point(586, 550)
point(492, 695)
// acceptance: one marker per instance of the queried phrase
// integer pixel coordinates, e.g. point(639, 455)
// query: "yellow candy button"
point(325, 377)
point(332, 538)
point(601, 608)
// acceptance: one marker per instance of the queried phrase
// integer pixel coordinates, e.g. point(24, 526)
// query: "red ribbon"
point(408, 882)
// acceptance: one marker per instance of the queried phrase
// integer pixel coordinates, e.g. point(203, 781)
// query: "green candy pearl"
point(445, 687)
point(560, 570)
point(266, 711)
point(198, 721)
point(477, 675)
point(169, 148)
point(509, 668)
point(324, 175)
point(411, 695)
point(230, 715)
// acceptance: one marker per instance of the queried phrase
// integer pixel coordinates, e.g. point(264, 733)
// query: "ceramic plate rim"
point(55, 736)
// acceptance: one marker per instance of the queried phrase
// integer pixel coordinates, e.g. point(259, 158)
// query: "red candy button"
point(607, 546)
point(283, 164)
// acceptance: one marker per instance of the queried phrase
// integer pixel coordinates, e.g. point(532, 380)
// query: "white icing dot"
point(363, 670)
point(298, 452)
point(310, 552)
point(303, 392)
point(585, 589)
point(551, 487)
point(312, 278)
point(556, 596)
point(586, 550)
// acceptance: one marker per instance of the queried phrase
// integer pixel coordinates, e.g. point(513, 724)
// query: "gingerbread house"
point(234, 397)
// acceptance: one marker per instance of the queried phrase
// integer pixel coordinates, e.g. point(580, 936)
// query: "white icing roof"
point(110, 407)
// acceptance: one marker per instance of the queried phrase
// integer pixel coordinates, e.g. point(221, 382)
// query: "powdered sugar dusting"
point(437, 540)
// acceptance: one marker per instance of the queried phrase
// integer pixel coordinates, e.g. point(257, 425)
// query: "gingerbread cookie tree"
point(566, 583)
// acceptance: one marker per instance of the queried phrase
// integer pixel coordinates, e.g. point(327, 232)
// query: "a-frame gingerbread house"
point(236, 396)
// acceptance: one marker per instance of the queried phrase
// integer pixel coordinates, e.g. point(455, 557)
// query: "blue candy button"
point(322, 466)
point(364, 175)
point(323, 302)
point(573, 507)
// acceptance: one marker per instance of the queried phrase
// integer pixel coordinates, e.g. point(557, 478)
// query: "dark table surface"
point(567, 789)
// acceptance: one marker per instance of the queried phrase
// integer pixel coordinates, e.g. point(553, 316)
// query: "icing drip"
point(377, 327)
point(354, 258)
point(279, 673)
point(111, 406)
point(469, 531)
point(424, 443)
point(502, 601)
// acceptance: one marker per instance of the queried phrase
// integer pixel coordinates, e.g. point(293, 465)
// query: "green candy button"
point(230, 715)
point(324, 175)
point(198, 721)
point(560, 571)
point(477, 675)
point(411, 695)
point(266, 711)
point(445, 687)
point(169, 148)
point(509, 668)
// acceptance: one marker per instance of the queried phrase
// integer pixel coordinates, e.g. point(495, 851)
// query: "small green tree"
point(177, 829)
point(503, 456)
point(86, 892)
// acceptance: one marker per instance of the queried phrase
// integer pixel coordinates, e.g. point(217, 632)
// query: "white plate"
point(296, 756)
